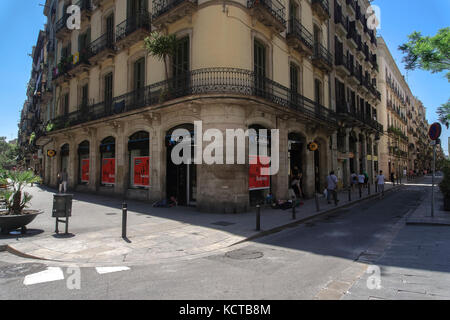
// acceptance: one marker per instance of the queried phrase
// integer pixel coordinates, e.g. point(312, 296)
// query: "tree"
point(162, 47)
point(16, 199)
point(8, 154)
point(444, 114)
point(428, 53)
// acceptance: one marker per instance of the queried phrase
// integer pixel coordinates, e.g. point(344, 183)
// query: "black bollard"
point(293, 209)
point(349, 194)
point(258, 217)
point(368, 188)
point(360, 191)
point(317, 201)
point(124, 220)
point(376, 187)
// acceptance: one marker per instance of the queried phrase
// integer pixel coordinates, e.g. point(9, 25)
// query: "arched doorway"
point(83, 162)
point(139, 159)
point(296, 156)
point(259, 147)
point(65, 157)
point(108, 162)
point(181, 179)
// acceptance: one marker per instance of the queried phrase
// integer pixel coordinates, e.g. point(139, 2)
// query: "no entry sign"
point(435, 131)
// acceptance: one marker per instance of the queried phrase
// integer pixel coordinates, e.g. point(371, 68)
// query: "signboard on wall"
point(256, 181)
point(141, 171)
point(85, 170)
point(109, 171)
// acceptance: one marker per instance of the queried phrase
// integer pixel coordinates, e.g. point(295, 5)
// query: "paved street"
point(324, 258)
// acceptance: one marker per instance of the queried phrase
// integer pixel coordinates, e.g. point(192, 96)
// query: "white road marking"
point(102, 270)
point(51, 274)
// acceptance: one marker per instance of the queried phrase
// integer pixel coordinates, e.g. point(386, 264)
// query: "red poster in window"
point(109, 171)
point(141, 171)
point(85, 170)
point(256, 181)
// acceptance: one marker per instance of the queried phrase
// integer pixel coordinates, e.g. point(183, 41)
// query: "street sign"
point(312, 146)
point(435, 131)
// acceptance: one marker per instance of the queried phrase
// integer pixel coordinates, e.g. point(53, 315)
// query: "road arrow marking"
point(103, 270)
point(51, 274)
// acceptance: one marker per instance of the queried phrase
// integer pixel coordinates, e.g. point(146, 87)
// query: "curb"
point(3, 247)
point(319, 214)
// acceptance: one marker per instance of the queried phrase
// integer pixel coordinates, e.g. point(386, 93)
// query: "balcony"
point(322, 58)
point(222, 81)
point(321, 8)
point(61, 29)
point(102, 48)
point(352, 36)
point(342, 64)
point(169, 11)
point(299, 38)
point(80, 64)
point(340, 20)
point(271, 13)
point(133, 30)
point(351, 4)
point(354, 77)
point(85, 10)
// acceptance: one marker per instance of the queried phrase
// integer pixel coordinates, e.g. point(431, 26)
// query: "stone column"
point(121, 184)
point(281, 180)
point(94, 162)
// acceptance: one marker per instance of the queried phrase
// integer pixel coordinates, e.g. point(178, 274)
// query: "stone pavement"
point(154, 234)
point(423, 213)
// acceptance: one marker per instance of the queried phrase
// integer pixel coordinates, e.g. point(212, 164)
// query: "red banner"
point(256, 181)
point(109, 171)
point(141, 171)
point(84, 170)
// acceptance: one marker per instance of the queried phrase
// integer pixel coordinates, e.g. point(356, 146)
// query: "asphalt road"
point(320, 259)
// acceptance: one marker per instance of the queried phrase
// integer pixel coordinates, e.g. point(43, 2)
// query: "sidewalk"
point(154, 234)
point(422, 215)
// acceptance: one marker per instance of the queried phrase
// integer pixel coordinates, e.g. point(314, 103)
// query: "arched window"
point(108, 161)
point(139, 164)
point(83, 162)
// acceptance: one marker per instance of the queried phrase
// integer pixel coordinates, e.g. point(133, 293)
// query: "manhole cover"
point(223, 223)
point(242, 254)
point(19, 270)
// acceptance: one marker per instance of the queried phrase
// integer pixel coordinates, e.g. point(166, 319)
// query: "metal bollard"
point(124, 220)
point(317, 201)
point(376, 187)
point(293, 210)
point(258, 217)
point(349, 194)
point(368, 188)
point(360, 191)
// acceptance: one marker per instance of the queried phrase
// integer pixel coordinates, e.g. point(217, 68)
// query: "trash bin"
point(62, 208)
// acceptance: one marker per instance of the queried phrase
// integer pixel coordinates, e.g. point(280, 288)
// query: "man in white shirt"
point(332, 181)
point(380, 182)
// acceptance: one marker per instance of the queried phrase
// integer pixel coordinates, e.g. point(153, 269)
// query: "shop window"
point(139, 164)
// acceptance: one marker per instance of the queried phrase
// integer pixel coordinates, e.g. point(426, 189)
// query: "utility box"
point(62, 205)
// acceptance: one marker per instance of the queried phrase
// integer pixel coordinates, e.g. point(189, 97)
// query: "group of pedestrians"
point(361, 180)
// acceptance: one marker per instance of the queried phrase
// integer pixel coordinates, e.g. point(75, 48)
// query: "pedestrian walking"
point(361, 180)
point(332, 181)
point(380, 183)
point(353, 180)
point(393, 178)
point(62, 181)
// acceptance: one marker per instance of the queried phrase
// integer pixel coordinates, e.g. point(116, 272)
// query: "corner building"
point(238, 65)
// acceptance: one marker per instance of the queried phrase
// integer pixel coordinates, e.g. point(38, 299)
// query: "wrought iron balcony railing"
point(162, 6)
point(321, 53)
point(339, 16)
point(85, 5)
point(324, 4)
point(61, 24)
point(133, 23)
point(273, 6)
point(104, 42)
point(198, 82)
point(299, 31)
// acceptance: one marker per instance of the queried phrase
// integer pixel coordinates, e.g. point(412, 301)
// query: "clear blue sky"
point(20, 21)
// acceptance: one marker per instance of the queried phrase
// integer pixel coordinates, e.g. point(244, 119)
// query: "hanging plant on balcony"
point(50, 126)
point(32, 137)
point(162, 47)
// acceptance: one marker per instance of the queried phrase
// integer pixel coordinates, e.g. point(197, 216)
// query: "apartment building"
point(238, 65)
point(354, 90)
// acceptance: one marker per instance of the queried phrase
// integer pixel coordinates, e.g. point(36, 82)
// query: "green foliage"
point(16, 199)
point(32, 137)
point(397, 132)
point(445, 183)
point(161, 46)
point(428, 53)
point(8, 154)
point(444, 114)
point(49, 127)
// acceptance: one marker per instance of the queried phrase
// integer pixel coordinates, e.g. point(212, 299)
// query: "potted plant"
point(16, 213)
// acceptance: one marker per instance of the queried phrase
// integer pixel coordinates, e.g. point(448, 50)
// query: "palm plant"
point(16, 199)
point(162, 47)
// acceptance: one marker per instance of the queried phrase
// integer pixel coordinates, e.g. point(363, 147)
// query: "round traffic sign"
point(435, 131)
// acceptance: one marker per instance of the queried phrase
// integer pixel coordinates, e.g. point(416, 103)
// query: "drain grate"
point(244, 254)
point(19, 270)
point(223, 223)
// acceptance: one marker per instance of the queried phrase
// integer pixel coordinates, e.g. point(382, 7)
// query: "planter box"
point(10, 222)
